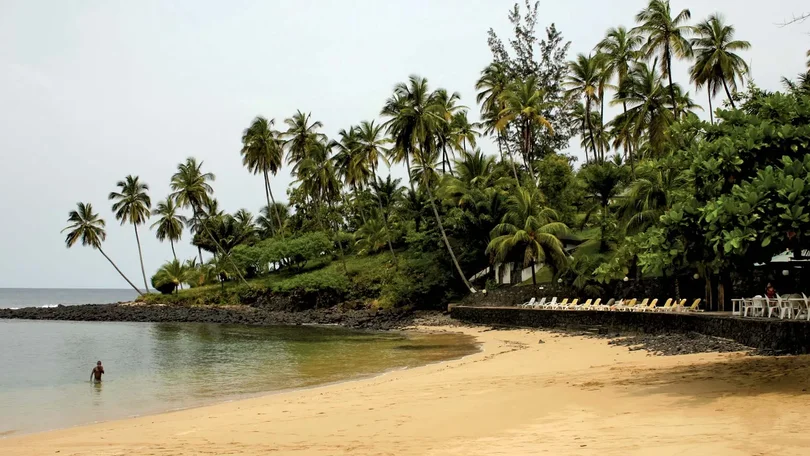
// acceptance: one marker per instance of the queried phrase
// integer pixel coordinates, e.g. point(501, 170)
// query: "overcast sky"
point(91, 91)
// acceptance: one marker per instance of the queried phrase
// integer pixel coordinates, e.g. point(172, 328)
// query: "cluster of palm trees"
point(636, 64)
point(491, 209)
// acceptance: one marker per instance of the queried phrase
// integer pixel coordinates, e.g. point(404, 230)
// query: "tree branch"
point(795, 20)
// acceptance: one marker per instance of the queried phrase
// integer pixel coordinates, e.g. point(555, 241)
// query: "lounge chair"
point(695, 307)
point(627, 305)
point(539, 304)
point(571, 305)
point(586, 305)
point(551, 304)
point(665, 307)
point(530, 303)
point(561, 304)
point(651, 306)
point(642, 306)
point(678, 305)
point(609, 305)
point(596, 304)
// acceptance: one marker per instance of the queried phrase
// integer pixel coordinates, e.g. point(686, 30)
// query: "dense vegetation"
point(661, 194)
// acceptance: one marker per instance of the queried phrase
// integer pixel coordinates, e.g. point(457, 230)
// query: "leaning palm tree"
point(716, 63)
point(491, 86)
point(170, 224)
point(132, 205)
point(529, 230)
point(413, 114)
point(583, 81)
point(524, 103)
point(87, 227)
point(262, 152)
point(371, 146)
point(665, 36)
point(191, 188)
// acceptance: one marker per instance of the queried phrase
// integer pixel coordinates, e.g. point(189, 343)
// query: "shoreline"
point(565, 395)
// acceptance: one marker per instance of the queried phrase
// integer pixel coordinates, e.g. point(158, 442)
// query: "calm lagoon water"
point(154, 367)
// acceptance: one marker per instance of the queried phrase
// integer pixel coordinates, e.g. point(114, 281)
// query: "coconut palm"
point(603, 182)
point(659, 184)
point(132, 205)
point(529, 230)
point(413, 116)
point(448, 108)
point(462, 132)
point(491, 86)
point(170, 224)
point(87, 227)
point(371, 144)
point(264, 221)
point(524, 103)
point(716, 63)
point(172, 273)
point(666, 36)
point(584, 75)
point(191, 188)
point(301, 136)
point(262, 152)
point(620, 49)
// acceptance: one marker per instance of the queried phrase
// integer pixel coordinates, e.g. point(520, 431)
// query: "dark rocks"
point(678, 343)
point(245, 315)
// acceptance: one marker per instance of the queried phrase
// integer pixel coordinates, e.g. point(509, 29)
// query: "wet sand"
point(567, 395)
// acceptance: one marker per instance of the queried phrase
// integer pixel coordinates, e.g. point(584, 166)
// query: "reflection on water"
point(152, 367)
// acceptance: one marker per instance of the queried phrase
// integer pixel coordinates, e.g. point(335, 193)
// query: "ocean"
point(41, 297)
point(156, 367)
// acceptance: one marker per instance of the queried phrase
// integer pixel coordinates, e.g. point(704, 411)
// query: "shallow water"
point(47, 297)
point(153, 367)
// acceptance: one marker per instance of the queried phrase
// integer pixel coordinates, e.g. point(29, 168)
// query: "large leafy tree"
point(666, 36)
point(87, 227)
point(132, 205)
point(262, 152)
point(529, 230)
point(169, 224)
point(716, 63)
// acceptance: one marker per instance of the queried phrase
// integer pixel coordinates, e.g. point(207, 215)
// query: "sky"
point(91, 91)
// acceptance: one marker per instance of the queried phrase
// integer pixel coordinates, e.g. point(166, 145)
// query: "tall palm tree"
point(666, 36)
point(371, 144)
point(264, 221)
point(490, 86)
point(301, 136)
point(462, 132)
point(530, 230)
point(620, 48)
point(716, 63)
point(132, 205)
point(603, 182)
point(524, 102)
point(413, 116)
point(659, 184)
point(87, 227)
point(191, 188)
point(170, 224)
point(448, 108)
point(583, 81)
point(262, 152)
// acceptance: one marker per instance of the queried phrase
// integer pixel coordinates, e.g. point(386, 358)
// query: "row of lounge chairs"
point(621, 305)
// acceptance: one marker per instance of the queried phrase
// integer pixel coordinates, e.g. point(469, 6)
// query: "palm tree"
point(371, 145)
point(300, 136)
point(525, 103)
point(666, 36)
point(265, 222)
point(462, 132)
point(170, 224)
point(620, 49)
point(413, 115)
point(715, 61)
point(87, 227)
point(653, 192)
point(132, 205)
point(172, 272)
point(491, 86)
point(262, 152)
point(583, 81)
point(603, 183)
point(529, 229)
point(448, 108)
point(191, 188)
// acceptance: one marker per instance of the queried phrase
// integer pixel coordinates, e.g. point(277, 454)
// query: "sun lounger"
point(695, 307)
point(642, 306)
point(530, 303)
point(665, 307)
point(627, 305)
point(650, 307)
point(561, 304)
point(678, 305)
point(586, 305)
point(571, 305)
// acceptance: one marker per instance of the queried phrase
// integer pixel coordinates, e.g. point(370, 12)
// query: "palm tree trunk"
point(444, 235)
point(199, 251)
point(534, 278)
point(119, 271)
point(526, 158)
point(140, 255)
point(511, 159)
point(267, 196)
point(340, 244)
point(171, 242)
point(671, 87)
point(728, 94)
point(711, 111)
point(590, 127)
point(408, 167)
point(273, 200)
point(384, 215)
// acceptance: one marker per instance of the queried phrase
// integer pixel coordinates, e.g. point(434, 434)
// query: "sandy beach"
point(566, 395)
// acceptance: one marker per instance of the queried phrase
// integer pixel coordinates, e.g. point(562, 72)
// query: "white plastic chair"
point(785, 307)
point(747, 306)
point(773, 305)
point(759, 306)
point(528, 304)
point(540, 304)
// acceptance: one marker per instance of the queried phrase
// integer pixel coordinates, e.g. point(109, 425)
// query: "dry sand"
point(568, 395)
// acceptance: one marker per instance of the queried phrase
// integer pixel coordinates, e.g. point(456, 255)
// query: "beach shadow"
point(742, 376)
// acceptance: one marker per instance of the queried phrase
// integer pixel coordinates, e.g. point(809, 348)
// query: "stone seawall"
point(785, 336)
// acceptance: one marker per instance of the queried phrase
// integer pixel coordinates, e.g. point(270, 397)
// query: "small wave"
point(49, 306)
point(13, 308)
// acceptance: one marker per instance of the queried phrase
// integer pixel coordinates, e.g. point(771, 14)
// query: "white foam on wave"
point(49, 306)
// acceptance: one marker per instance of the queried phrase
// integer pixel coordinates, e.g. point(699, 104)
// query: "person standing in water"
point(95, 374)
